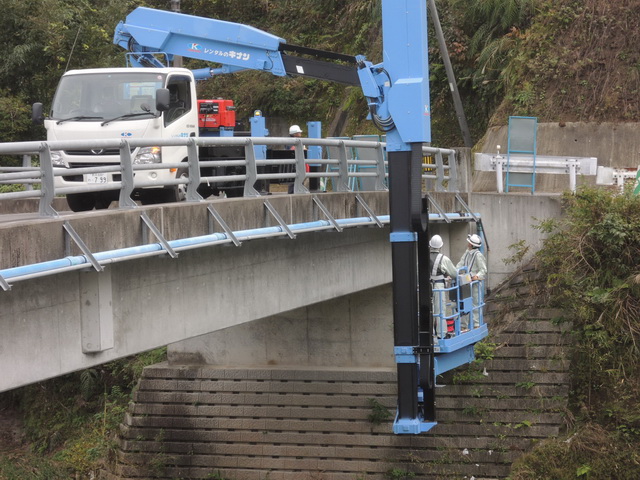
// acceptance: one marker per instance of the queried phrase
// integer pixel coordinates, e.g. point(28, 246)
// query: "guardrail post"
point(452, 186)
point(301, 169)
point(572, 165)
point(251, 170)
point(47, 187)
point(439, 172)
point(380, 169)
point(343, 169)
point(126, 181)
point(26, 163)
point(194, 172)
point(499, 182)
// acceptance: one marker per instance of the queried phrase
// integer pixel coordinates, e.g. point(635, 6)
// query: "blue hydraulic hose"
point(81, 261)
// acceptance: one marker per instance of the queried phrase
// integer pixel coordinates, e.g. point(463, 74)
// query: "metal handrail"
point(444, 173)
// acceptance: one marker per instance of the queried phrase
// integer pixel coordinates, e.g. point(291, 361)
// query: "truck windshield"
point(95, 97)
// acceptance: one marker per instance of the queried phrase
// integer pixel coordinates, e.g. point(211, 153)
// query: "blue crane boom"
point(235, 46)
point(397, 92)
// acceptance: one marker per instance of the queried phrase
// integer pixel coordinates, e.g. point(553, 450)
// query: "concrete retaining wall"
point(613, 144)
point(508, 219)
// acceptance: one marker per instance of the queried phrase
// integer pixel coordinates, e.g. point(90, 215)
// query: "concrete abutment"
point(320, 412)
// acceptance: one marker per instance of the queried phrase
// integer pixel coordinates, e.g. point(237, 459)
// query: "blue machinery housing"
point(453, 346)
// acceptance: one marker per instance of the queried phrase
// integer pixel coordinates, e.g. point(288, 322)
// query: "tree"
point(44, 38)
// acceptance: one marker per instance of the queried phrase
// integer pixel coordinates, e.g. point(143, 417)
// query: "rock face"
point(335, 424)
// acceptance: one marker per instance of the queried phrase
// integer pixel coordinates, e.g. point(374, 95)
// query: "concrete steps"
point(315, 423)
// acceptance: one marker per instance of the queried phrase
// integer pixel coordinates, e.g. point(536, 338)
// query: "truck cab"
point(121, 103)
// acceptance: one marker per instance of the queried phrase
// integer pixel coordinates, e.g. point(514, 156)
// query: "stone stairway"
point(188, 422)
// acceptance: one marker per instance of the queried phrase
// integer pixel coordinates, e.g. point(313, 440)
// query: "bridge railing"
point(40, 182)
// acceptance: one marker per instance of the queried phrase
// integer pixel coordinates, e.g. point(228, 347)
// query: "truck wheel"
point(181, 190)
point(81, 202)
point(103, 201)
point(153, 196)
point(176, 193)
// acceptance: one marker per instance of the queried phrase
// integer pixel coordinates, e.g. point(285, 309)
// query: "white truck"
point(121, 103)
point(151, 100)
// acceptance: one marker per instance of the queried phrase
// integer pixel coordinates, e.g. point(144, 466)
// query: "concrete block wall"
point(313, 423)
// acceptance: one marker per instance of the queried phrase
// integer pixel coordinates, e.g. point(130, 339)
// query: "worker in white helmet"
point(442, 268)
point(476, 265)
point(295, 131)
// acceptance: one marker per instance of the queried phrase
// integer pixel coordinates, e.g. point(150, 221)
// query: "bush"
point(592, 264)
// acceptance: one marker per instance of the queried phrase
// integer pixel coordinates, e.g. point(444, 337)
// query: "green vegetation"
point(519, 251)
point(485, 350)
point(576, 62)
point(592, 262)
point(561, 60)
point(215, 476)
point(70, 421)
point(379, 413)
point(473, 373)
point(474, 411)
point(399, 474)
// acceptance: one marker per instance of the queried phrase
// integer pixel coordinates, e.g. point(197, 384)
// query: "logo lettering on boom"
point(227, 54)
point(195, 47)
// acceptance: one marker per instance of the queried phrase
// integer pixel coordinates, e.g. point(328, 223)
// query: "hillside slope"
point(579, 61)
point(560, 60)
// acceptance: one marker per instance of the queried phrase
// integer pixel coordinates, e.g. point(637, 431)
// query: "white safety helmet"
point(293, 129)
point(474, 240)
point(436, 242)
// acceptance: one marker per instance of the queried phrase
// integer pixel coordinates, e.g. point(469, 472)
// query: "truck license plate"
point(96, 178)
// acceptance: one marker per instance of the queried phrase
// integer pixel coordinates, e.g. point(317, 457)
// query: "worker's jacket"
point(475, 262)
point(441, 266)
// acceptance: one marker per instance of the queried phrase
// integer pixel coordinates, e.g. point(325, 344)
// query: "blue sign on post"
point(522, 138)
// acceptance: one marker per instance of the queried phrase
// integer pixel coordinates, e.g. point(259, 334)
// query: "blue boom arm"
point(235, 46)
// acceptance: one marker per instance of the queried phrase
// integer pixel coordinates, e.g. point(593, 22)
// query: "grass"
point(69, 421)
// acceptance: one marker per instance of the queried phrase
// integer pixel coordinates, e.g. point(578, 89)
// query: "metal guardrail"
point(619, 177)
point(344, 161)
point(571, 166)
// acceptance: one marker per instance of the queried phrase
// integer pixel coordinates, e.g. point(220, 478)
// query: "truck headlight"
point(56, 159)
point(148, 155)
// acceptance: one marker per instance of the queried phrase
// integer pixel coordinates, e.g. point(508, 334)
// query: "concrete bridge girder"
point(65, 322)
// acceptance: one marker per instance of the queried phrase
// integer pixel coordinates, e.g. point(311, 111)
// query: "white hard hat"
point(474, 240)
point(294, 129)
point(436, 242)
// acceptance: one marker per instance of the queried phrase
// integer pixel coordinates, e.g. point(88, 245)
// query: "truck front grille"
point(96, 151)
